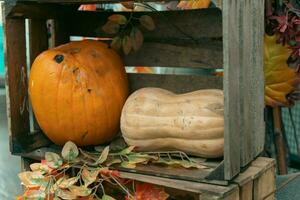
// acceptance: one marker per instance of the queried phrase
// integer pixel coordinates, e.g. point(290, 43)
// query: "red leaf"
point(146, 191)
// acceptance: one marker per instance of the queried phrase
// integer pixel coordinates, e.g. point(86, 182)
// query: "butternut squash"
point(156, 119)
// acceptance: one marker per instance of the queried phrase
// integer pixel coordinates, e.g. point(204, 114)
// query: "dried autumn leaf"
point(117, 18)
point(116, 43)
point(126, 151)
point(70, 151)
point(128, 165)
point(40, 167)
point(65, 182)
point(128, 4)
point(89, 176)
point(111, 27)
point(107, 197)
point(66, 194)
point(103, 156)
point(193, 4)
point(147, 22)
point(31, 179)
point(127, 45)
point(148, 191)
point(280, 80)
point(80, 191)
point(33, 194)
point(54, 161)
point(137, 38)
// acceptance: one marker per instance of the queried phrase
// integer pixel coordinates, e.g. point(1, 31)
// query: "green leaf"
point(147, 22)
point(119, 19)
point(80, 191)
point(89, 176)
point(103, 156)
point(135, 159)
point(107, 197)
point(69, 151)
point(137, 38)
point(54, 161)
point(126, 151)
point(127, 45)
point(111, 27)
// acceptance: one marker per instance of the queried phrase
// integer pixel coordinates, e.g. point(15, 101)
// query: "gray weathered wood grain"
point(209, 55)
point(243, 82)
point(174, 83)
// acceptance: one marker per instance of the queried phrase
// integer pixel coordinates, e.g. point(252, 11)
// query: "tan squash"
point(156, 119)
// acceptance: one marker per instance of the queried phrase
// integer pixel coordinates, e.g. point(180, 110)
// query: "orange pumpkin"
point(77, 92)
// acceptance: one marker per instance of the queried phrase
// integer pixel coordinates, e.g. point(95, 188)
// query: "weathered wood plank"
point(16, 81)
point(38, 42)
point(231, 91)
point(168, 24)
point(174, 83)
point(208, 189)
point(208, 55)
point(252, 87)
point(195, 175)
point(192, 24)
point(265, 185)
point(243, 82)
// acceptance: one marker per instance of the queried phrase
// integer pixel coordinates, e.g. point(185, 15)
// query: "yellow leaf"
point(193, 4)
point(280, 79)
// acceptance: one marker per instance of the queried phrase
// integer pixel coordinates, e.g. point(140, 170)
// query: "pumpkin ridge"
point(83, 94)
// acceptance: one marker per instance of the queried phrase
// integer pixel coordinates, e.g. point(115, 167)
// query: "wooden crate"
point(231, 38)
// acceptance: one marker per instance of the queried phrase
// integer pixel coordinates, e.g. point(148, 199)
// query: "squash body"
point(77, 92)
point(156, 119)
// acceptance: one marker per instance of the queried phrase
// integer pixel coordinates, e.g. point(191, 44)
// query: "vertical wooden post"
point(243, 29)
point(280, 145)
point(16, 81)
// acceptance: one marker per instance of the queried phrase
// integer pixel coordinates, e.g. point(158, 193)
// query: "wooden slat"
point(208, 55)
point(174, 83)
point(168, 24)
point(206, 189)
point(16, 82)
point(38, 42)
point(195, 175)
point(243, 82)
point(191, 24)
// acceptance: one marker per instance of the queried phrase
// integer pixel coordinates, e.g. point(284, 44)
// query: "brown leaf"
point(65, 182)
point(127, 45)
point(119, 19)
point(137, 38)
point(89, 176)
point(111, 27)
point(31, 179)
point(147, 22)
point(116, 43)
